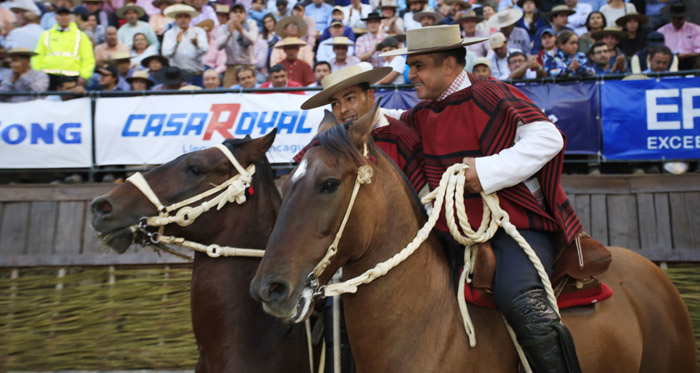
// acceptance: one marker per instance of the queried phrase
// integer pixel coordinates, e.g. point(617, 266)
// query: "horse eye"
point(194, 170)
point(330, 186)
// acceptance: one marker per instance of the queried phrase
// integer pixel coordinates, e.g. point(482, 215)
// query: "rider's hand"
point(472, 184)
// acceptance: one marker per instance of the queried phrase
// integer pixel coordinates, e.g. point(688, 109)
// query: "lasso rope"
point(451, 192)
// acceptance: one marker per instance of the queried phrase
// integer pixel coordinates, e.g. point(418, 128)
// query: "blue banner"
point(651, 119)
point(574, 108)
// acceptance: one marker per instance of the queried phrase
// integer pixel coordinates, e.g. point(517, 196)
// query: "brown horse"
point(408, 320)
point(232, 332)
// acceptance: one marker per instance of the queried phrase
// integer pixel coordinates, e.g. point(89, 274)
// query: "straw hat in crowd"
point(173, 10)
point(122, 11)
point(341, 40)
point(634, 15)
point(428, 13)
point(290, 42)
point(282, 24)
point(142, 75)
point(505, 18)
point(616, 31)
point(345, 78)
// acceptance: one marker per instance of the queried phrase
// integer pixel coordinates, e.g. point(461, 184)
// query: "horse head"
point(313, 210)
point(116, 215)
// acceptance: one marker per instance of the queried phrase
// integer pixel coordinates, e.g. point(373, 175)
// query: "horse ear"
point(260, 146)
point(329, 121)
point(359, 132)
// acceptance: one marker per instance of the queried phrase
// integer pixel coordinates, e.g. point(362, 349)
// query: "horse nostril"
point(101, 206)
point(275, 291)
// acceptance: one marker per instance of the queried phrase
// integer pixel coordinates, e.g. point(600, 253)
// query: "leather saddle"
point(574, 267)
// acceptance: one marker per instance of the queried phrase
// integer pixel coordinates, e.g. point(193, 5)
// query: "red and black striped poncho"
point(401, 144)
point(482, 120)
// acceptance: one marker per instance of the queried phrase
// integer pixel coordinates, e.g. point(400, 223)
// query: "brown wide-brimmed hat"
point(345, 78)
point(429, 13)
point(560, 9)
point(21, 52)
point(468, 15)
point(282, 24)
point(173, 10)
point(290, 42)
point(157, 3)
point(433, 39)
point(164, 61)
point(634, 15)
point(122, 11)
point(143, 75)
point(505, 18)
point(207, 25)
point(616, 31)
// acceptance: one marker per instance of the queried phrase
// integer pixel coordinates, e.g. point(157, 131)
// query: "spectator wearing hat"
point(23, 77)
point(154, 64)
point(523, 67)
point(291, 27)
point(599, 57)
point(499, 56)
point(517, 37)
point(256, 13)
point(280, 10)
point(297, 70)
point(67, 84)
point(532, 19)
point(214, 58)
point(559, 16)
point(122, 61)
point(140, 81)
point(577, 20)
point(488, 11)
point(280, 79)
point(170, 78)
point(312, 34)
point(222, 12)
point(48, 19)
point(337, 16)
point(322, 13)
point(397, 63)
point(237, 38)
point(185, 45)
point(414, 7)
point(342, 58)
point(159, 21)
point(640, 61)
point(27, 35)
point(109, 77)
point(428, 18)
point(140, 50)
point(567, 61)
point(636, 39)
point(354, 13)
point(131, 13)
point(611, 36)
point(468, 21)
point(366, 45)
point(594, 23)
point(682, 37)
point(325, 48)
point(211, 80)
point(660, 58)
point(482, 68)
point(246, 78)
point(204, 12)
point(106, 50)
point(321, 70)
point(615, 9)
point(392, 24)
point(548, 43)
point(64, 50)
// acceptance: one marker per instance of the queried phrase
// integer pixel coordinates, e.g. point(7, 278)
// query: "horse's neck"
point(412, 303)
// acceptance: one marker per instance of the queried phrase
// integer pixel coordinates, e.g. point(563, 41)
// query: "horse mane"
point(336, 141)
point(264, 175)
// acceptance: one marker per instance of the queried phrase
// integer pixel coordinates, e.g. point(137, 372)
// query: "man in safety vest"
point(64, 50)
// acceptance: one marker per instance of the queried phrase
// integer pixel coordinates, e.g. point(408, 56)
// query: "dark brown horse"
point(232, 332)
point(408, 320)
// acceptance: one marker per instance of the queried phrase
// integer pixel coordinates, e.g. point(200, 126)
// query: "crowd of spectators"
point(120, 45)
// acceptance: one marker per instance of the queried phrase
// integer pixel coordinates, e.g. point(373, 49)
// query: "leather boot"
point(546, 342)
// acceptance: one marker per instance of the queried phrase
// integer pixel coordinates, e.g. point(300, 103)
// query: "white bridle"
point(180, 213)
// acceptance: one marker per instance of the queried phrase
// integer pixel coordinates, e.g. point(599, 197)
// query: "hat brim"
point(162, 79)
point(282, 24)
point(164, 61)
point(477, 19)
point(552, 13)
point(174, 13)
point(122, 11)
point(321, 98)
point(436, 16)
point(148, 81)
point(597, 35)
point(405, 51)
point(20, 54)
point(279, 46)
point(517, 14)
point(643, 19)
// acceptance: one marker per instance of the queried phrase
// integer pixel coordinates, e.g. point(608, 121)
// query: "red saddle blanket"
point(565, 300)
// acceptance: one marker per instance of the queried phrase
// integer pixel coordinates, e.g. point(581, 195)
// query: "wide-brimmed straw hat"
point(469, 14)
point(482, 61)
point(122, 11)
point(616, 31)
point(207, 25)
point(173, 10)
point(505, 18)
point(341, 41)
point(290, 42)
point(433, 39)
point(429, 13)
point(282, 24)
point(345, 78)
point(388, 4)
point(222, 8)
point(119, 56)
point(560, 9)
point(634, 15)
point(17, 51)
point(143, 75)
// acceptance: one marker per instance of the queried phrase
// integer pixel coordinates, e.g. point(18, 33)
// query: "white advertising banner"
point(157, 129)
point(46, 134)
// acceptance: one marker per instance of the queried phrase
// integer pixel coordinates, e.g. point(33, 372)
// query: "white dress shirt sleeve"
point(536, 144)
point(170, 43)
point(394, 113)
point(202, 42)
